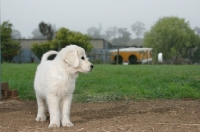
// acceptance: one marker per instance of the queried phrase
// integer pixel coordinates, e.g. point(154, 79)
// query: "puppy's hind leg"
point(41, 114)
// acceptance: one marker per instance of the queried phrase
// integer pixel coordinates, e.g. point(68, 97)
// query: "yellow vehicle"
point(131, 55)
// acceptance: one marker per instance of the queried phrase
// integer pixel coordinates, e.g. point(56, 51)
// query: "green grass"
point(117, 82)
point(20, 77)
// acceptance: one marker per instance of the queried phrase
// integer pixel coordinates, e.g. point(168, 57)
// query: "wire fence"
point(103, 57)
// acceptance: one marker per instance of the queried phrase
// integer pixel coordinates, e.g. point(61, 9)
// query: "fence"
point(97, 56)
point(25, 56)
point(102, 56)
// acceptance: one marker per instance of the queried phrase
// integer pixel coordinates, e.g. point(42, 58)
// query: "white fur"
point(55, 82)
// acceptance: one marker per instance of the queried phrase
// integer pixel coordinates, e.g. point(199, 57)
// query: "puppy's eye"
point(83, 58)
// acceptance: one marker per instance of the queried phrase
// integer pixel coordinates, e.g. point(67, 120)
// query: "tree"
point(138, 28)
point(66, 37)
point(16, 34)
point(9, 47)
point(95, 32)
point(47, 30)
point(63, 38)
point(172, 36)
point(110, 33)
point(40, 49)
point(37, 34)
point(124, 37)
point(197, 30)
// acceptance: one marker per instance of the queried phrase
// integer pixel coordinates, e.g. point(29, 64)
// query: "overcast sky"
point(79, 15)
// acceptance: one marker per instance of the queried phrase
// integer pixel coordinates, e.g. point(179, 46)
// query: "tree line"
point(117, 35)
point(56, 40)
point(172, 36)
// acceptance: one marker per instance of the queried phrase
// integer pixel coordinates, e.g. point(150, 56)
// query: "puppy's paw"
point(68, 124)
point(54, 125)
point(41, 118)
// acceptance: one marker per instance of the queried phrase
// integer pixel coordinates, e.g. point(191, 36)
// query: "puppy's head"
point(75, 57)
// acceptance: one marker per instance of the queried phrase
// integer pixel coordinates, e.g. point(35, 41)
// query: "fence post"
point(105, 56)
point(0, 59)
point(117, 54)
point(0, 67)
point(20, 60)
point(94, 57)
point(0, 74)
point(100, 59)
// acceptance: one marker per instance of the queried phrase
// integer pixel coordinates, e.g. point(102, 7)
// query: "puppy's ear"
point(72, 59)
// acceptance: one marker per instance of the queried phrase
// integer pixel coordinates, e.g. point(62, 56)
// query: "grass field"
point(117, 82)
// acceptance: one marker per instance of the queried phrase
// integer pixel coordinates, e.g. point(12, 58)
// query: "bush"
point(40, 49)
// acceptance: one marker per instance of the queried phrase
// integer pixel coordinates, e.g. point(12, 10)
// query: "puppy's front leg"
point(66, 111)
point(54, 111)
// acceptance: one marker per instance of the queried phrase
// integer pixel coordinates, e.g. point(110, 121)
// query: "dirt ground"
point(138, 116)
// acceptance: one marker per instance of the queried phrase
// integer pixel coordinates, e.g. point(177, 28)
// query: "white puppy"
point(55, 82)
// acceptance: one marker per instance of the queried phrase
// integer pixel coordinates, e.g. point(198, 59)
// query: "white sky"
point(79, 15)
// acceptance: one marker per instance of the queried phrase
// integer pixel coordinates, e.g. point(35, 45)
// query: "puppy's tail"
point(47, 54)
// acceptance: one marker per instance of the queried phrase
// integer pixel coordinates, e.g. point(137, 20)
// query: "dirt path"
point(140, 116)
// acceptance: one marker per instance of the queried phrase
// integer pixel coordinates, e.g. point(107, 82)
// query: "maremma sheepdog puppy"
point(55, 82)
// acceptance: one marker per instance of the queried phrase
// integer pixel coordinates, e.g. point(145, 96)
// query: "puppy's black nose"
point(92, 66)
